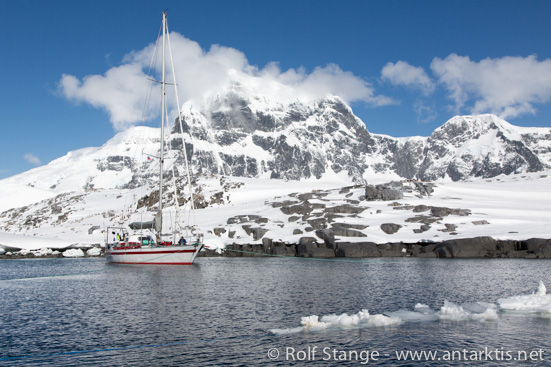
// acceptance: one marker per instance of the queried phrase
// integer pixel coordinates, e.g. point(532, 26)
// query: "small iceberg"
point(539, 301)
point(471, 311)
point(361, 319)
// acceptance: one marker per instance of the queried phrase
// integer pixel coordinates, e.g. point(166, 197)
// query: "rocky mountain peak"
point(246, 135)
point(254, 136)
point(472, 127)
point(478, 146)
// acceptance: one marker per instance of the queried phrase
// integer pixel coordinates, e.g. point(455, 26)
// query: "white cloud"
point(404, 74)
point(122, 90)
point(322, 81)
point(507, 86)
point(31, 158)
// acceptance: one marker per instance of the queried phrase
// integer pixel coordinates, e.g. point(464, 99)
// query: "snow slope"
point(505, 207)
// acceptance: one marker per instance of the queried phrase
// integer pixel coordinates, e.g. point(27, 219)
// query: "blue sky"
point(409, 65)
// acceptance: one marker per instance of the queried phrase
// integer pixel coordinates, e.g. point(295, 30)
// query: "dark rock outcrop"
point(466, 247)
point(478, 247)
point(308, 247)
point(357, 249)
point(389, 191)
point(390, 228)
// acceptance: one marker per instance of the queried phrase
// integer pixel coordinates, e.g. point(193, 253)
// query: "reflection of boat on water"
point(144, 242)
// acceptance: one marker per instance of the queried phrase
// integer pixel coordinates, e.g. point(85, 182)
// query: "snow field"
point(513, 207)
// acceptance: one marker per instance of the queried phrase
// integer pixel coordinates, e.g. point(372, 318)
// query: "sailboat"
point(147, 244)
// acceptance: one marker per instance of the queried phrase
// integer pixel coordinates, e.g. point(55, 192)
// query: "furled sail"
point(155, 224)
point(142, 225)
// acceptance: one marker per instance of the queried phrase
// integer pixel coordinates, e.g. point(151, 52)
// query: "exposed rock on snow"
point(390, 228)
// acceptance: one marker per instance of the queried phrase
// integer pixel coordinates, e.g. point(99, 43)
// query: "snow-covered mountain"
point(234, 134)
point(243, 137)
point(483, 146)
point(240, 136)
point(299, 145)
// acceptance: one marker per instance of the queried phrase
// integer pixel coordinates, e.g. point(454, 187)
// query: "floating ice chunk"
point(382, 320)
point(542, 290)
point(415, 316)
point(421, 306)
point(344, 321)
point(536, 302)
point(364, 315)
point(488, 315)
point(286, 331)
point(452, 311)
point(312, 323)
point(470, 311)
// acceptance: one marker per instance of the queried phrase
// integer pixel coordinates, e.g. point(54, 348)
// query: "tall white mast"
point(159, 225)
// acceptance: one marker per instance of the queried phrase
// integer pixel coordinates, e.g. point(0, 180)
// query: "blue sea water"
point(219, 312)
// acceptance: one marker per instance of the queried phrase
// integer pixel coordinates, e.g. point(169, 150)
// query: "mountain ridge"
point(240, 136)
point(332, 130)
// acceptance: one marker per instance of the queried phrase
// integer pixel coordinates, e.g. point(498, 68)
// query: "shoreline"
point(308, 247)
point(477, 247)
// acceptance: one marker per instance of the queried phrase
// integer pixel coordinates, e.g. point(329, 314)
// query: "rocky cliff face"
point(239, 137)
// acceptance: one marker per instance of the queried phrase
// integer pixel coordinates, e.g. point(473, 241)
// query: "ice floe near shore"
point(538, 302)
